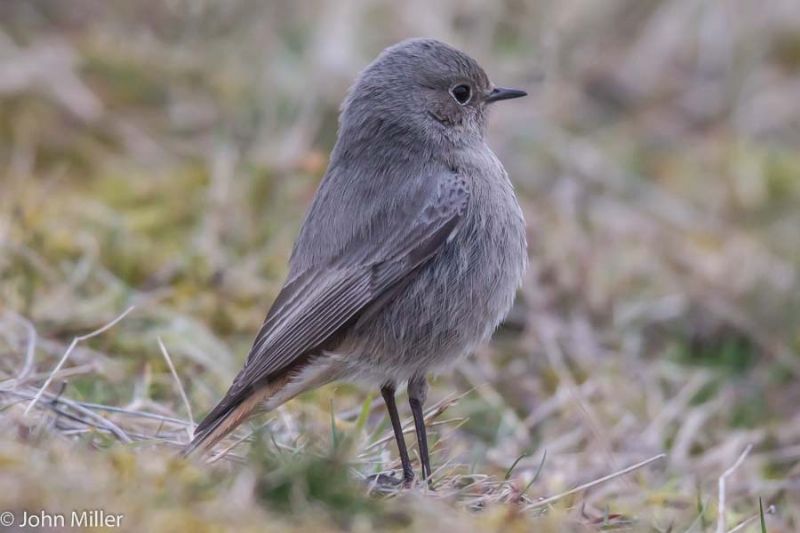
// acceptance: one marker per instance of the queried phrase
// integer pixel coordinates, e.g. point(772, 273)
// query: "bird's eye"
point(462, 93)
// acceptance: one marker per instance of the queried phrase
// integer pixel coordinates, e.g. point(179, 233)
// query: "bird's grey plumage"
point(414, 245)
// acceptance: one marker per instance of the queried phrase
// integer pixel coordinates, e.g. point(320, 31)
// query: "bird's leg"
point(417, 393)
point(387, 391)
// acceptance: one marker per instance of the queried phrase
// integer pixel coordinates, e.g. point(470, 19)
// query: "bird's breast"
point(457, 299)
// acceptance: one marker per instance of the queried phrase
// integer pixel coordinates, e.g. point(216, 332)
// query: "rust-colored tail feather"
point(237, 406)
point(228, 415)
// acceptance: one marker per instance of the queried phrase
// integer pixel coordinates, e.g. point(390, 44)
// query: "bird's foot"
point(388, 483)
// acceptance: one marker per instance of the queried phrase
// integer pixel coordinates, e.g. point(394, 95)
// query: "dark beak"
point(500, 93)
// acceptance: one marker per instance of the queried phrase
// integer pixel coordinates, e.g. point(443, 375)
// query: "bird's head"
point(422, 88)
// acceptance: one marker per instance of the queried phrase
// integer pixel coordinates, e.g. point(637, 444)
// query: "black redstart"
point(410, 254)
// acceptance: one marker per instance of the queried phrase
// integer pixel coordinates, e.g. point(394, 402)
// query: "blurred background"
point(161, 154)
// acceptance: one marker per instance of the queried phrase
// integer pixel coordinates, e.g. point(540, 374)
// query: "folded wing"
point(317, 303)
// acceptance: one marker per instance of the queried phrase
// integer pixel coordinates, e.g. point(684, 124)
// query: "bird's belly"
point(450, 306)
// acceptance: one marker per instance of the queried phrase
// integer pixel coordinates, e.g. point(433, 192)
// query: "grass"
point(160, 156)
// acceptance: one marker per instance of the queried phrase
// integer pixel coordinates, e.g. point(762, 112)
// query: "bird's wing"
point(314, 305)
point(376, 250)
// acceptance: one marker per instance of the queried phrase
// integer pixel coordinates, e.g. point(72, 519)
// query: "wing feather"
point(316, 304)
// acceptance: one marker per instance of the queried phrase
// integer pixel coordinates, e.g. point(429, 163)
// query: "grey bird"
point(410, 255)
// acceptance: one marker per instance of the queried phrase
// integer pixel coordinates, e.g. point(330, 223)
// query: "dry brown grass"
point(160, 155)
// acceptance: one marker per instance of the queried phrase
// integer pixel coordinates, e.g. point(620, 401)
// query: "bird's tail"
point(229, 413)
point(239, 404)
